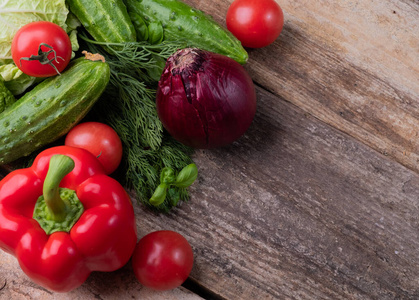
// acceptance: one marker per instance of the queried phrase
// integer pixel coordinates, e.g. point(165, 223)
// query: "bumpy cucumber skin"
point(182, 22)
point(51, 109)
point(106, 20)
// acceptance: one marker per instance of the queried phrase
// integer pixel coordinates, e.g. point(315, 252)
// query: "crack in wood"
point(200, 290)
point(4, 285)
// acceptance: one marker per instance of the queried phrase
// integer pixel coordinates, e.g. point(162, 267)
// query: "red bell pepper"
point(83, 220)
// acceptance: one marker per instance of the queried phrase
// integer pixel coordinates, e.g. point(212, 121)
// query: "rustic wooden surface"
point(320, 198)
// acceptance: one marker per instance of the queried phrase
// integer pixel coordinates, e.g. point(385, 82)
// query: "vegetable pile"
point(127, 89)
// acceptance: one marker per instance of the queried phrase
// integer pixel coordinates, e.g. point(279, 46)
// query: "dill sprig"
point(128, 105)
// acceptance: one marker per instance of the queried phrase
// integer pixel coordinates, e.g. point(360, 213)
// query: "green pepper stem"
point(59, 166)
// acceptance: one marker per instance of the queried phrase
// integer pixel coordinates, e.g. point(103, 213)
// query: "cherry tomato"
point(162, 260)
point(41, 49)
point(256, 23)
point(99, 139)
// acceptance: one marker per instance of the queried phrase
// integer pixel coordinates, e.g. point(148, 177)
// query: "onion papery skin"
point(205, 100)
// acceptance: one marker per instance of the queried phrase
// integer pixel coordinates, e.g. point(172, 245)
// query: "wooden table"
point(320, 198)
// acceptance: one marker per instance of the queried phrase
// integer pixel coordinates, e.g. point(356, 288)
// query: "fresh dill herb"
point(128, 105)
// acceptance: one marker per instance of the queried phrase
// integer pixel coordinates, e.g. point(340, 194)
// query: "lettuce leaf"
point(16, 13)
point(15, 80)
point(72, 24)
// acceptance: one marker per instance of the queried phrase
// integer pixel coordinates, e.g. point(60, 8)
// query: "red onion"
point(204, 99)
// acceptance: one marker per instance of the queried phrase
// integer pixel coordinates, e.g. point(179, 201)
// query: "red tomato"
point(99, 139)
point(256, 23)
point(162, 260)
point(31, 44)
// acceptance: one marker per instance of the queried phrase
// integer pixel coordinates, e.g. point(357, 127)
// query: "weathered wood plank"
point(296, 209)
point(121, 284)
point(351, 64)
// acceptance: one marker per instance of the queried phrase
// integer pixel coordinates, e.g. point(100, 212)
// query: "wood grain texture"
point(333, 203)
point(356, 68)
point(121, 284)
point(320, 198)
point(351, 64)
point(298, 210)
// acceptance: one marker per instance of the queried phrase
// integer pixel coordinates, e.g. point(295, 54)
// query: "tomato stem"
point(42, 57)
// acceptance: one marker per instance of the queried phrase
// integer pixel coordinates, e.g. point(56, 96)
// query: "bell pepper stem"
point(59, 166)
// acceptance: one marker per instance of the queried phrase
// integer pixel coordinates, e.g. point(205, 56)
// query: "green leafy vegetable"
point(16, 13)
point(128, 106)
point(15, 80)
point(140, 26)
point(186, 176)
point(159, 195)
point(6, 97)
point(167, 176)
point(171, 186)
point(155, 33)
point(72, 24)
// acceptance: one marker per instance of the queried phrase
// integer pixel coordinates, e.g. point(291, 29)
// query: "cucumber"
point(51, 109)
point(182, 22)
point(106, 21)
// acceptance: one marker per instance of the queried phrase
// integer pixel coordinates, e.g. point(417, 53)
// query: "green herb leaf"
point(155, 33)
point(156, 71)
point(159, 195)
point(140, 26)
point(174, 196)
point(167, 175)
point(186, 176)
